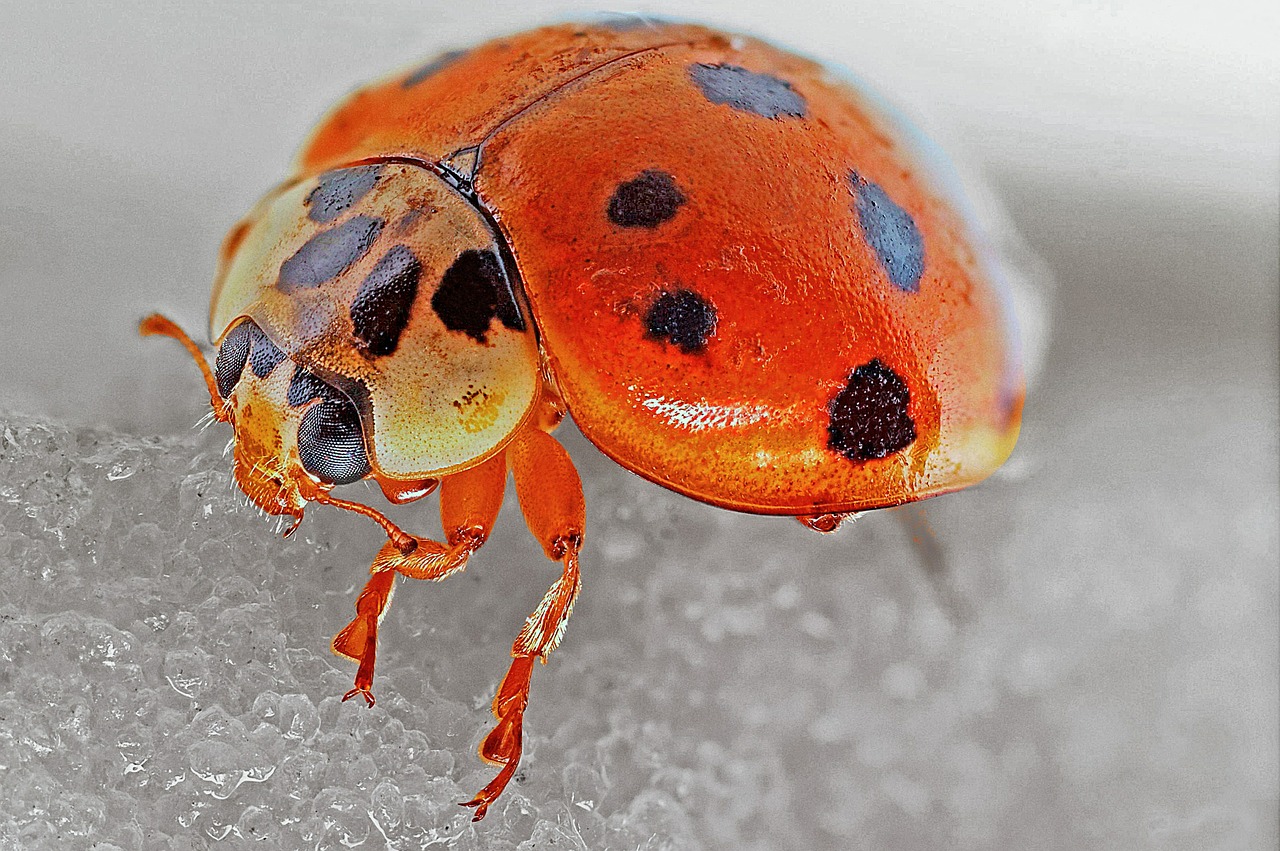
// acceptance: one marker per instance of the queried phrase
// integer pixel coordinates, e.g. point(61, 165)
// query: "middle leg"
point(469, 503)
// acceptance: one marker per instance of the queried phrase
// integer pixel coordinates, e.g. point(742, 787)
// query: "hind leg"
point(550, 495)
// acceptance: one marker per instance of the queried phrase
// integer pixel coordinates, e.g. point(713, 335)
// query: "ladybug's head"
point(295, 435)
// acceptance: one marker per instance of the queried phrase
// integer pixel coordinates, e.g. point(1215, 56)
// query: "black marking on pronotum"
point(264, 355)
point(682, 318)
point(462, 185)
point(427, 69)
point(513, 284)
point(748, 91)
point(338, 190)
point(891, 232)
point(331, 442)
point(645, 201)
point(473, 292)
point(232, 355)
point(329, 253)
point(869, 417)
point(381, 307)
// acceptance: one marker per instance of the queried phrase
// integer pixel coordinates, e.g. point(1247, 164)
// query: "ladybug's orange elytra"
point(729, 266)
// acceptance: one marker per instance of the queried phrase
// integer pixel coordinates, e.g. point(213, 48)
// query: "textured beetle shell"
point(745, 284)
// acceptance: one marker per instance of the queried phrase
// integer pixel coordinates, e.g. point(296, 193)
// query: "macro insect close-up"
point(467, 253)
point(817, 458)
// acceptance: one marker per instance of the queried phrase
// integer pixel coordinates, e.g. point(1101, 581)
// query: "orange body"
point(735, 272)
point(547, 125)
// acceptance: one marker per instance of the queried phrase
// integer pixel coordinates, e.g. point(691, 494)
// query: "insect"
point(732, 269)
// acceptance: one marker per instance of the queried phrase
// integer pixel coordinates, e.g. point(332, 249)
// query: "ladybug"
point(733, 269)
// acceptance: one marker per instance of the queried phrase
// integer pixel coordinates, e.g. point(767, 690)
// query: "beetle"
point(732, 268)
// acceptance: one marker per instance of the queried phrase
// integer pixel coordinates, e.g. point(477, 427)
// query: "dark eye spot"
point(891, 233)
point(682, 318)
point(305, 386)
point(426, 70)
point(338, 190)
point(381, 307)
point(331, 442)
point(748, 91)
point(264, 355)
point(232, 355)
point(869, 417)
point(645, 201)
point(329, 253)
point(473, 292)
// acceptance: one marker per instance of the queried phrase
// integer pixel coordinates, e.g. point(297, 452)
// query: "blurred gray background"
point(1115, 589)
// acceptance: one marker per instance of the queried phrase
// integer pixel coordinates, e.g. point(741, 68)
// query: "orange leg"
point(550, 495)
point(156, 325)
point(469, 503)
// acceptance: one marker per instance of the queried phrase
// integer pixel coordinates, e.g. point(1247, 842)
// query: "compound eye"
point(264, 355)
point(331, 442)
point(232, 355)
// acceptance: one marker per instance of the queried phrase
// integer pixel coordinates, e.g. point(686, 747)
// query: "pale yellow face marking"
point(442, 400)
point(267, 464)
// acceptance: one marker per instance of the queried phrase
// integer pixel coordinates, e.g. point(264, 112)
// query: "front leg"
point(469, 503)
point(550, 494)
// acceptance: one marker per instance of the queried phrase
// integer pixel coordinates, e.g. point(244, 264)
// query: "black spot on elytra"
point(869, 417)
point(748, 91)
point(305, 386)
point(338, 190)
point(381, 307)
point(427, 69)
point(682, 318)
point(331, 442)
point(473, 292)
point(232, 355)
point(645, 201)
point(891, 232)
point(329, 253)
point(264, 355)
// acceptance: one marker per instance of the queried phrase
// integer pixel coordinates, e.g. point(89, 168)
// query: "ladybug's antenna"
point(156, 325)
